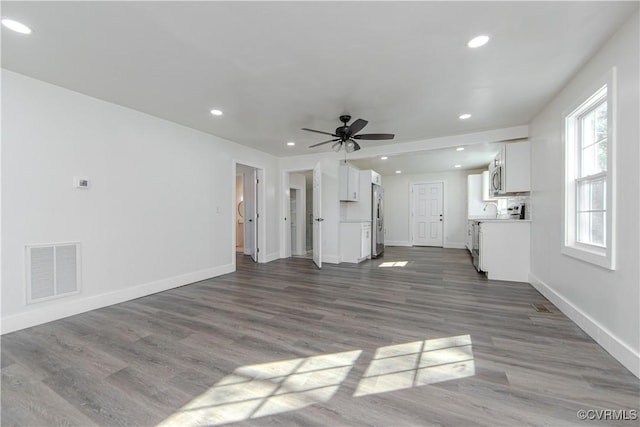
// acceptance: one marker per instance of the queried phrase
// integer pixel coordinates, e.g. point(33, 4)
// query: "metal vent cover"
point(540, 308)
point(52, 271)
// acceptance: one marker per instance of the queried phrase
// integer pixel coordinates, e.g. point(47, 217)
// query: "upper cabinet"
point(349, 183)
point(512, 166)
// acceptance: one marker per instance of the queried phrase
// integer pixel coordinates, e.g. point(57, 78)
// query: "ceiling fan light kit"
point(346, 135)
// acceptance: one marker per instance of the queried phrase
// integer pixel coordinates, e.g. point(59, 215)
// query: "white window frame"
point(594, 254)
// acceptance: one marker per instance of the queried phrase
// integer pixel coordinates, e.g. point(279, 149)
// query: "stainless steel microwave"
point(495, 181)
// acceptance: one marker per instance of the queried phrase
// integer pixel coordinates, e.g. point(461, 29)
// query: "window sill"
point(599, 257)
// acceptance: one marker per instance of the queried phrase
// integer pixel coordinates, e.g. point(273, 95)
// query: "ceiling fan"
point(346, 135)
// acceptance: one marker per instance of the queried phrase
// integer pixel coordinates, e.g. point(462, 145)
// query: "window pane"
point(598, 195)
point(594, 159)
point(587, 129)
point(601, 155)
point(601, 121)
point(583, 227)
point(591, 228)
point(591, 195)
point(583, 195)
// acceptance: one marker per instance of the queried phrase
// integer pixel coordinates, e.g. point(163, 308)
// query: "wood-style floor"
point(428, 343)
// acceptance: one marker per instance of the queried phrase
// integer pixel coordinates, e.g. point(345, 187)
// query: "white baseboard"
point(331, 259)
point(397, 243)
point(455, 245)
point(39, 314)
point(618, 349)
point(272, 257)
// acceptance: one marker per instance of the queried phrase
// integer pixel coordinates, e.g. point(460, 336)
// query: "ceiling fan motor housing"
point(345, 118)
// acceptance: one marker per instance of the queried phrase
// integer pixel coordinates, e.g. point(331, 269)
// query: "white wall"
point(397, 198)
point(606, 304)
point(160, 212)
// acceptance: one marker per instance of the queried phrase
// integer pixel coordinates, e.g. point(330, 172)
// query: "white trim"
point(42, 314)
point(330, 259)
point(602, 257)
point(629, 358)
point(285, 185)
point(397, 243)
point(271, 256)
point(455, 245)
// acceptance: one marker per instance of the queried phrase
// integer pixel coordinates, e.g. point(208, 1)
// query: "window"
point(589, 183)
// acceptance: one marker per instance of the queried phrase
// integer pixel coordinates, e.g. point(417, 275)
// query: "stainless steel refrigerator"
point(377, 220)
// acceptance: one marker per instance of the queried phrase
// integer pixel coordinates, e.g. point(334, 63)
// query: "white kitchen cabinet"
point(376, 178)
point(504, 249)
point(355, 241)
point(514, 159)
point(349, 183)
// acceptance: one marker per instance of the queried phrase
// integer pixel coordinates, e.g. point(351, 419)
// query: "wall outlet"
point(81, 182)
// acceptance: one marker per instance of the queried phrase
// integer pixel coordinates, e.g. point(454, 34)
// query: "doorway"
point(239, 213)
point(246, 211)
point(299, 214)
point(427, 214)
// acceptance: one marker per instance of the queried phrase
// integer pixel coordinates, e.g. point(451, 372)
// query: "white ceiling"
point(274, 67)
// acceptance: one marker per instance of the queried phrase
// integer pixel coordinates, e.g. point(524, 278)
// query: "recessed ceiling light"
point(383, 158)
point(216, 112)
point(478, 41)
point(464, 116)
point(460, 149)
point(291, 143)
point(457, 166)
point(16, 26)
point(398, 171)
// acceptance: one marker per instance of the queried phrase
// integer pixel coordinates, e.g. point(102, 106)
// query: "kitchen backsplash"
point(517, 201)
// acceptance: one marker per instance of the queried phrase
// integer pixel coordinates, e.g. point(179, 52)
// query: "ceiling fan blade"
point(375, 136)
point(357, 126)
point(318, 131)
point(322, 143)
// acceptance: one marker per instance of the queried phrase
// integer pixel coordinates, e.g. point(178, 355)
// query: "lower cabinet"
point(504, 250)
point(355, 241)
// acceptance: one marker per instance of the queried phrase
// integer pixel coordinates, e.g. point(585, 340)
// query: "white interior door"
point(250, 215)
point(427, 214)
point(317, 215)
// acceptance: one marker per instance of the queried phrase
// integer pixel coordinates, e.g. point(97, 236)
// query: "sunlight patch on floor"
point(418, 363)
point(268, 388)
point(259, 390)
point(393, 264)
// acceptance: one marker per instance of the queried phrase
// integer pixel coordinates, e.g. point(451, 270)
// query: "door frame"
point(261, 238)
point(285, 185)
point(300, 200)
point(444, 207)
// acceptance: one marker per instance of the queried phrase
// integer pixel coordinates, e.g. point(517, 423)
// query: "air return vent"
point(52, 271)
